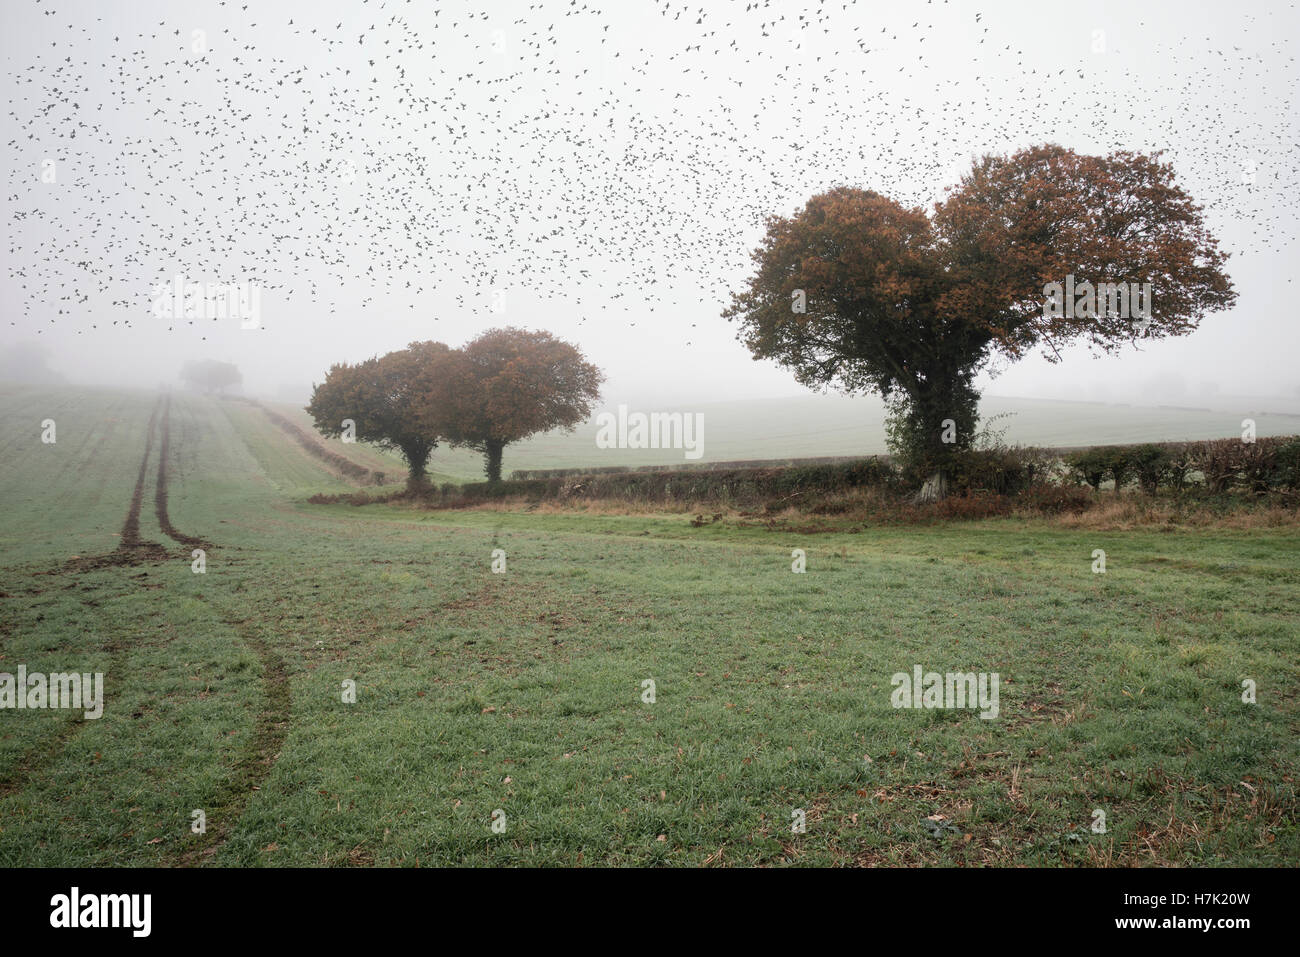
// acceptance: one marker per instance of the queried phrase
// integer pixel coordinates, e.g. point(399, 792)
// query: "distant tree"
point(509, 384)
point(28, 362)
point(860, 293)
point(382, 397)
point(211, 375)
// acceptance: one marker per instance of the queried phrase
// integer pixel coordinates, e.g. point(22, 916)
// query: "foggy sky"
point(528, 112)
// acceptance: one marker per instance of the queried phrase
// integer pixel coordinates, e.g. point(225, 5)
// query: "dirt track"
point(254, 765)
point(131, 549)
point(160, 487)
point(271, 727)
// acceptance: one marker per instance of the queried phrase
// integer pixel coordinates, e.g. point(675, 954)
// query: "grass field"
point(836, 425)
point(522, 692)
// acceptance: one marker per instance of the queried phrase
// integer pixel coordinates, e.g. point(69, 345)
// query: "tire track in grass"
point(131, 550)
point(269, 731)
point(41, 755)
point(38, 757)
point(160, 486)
point(272, 725)
point(254, 765)
point(132, 546)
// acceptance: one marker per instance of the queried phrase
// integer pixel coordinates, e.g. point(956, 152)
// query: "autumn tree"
point(211, 375)
point(381, 401)
point(859, 293)
point(509, 384)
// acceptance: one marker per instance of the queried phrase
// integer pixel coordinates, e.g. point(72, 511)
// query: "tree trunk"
point(935, 489)
point(492, 450)
point(935, 424)
point(417, 482)
point(417, 479)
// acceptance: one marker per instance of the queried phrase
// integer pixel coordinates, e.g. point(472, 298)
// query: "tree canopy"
point(506, 385)
point(378, 401)
point(859, 293)
point(211, 375)
point(503, 386)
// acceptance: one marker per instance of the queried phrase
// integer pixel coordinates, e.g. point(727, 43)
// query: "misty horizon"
point(625, 233)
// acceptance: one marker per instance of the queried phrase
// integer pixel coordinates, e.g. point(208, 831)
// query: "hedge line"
point(683, 467)
point(1218, 465)
point(1222, 464)
point(309, 442)
point(737, 486)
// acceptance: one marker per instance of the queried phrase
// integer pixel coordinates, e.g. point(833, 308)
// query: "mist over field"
point(555, 434)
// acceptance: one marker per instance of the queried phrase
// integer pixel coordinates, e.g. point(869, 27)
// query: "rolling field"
point(836, 425)
point(522, 692)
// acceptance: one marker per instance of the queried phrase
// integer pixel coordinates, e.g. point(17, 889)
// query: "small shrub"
point(1089, 466)
point(975, 505)
point(1051, 498)
point(1151, 464)
point(1286, 466)
point(1218, 461)
point(1002, 469)
point(1179, 466)
point(1117, 463)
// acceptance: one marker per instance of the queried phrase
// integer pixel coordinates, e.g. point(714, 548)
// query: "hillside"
point(833, 425)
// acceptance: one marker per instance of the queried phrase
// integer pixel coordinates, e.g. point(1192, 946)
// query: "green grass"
point(835, 425)
point(522, 691)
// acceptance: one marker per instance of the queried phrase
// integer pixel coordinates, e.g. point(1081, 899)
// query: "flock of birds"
point(611, 160)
